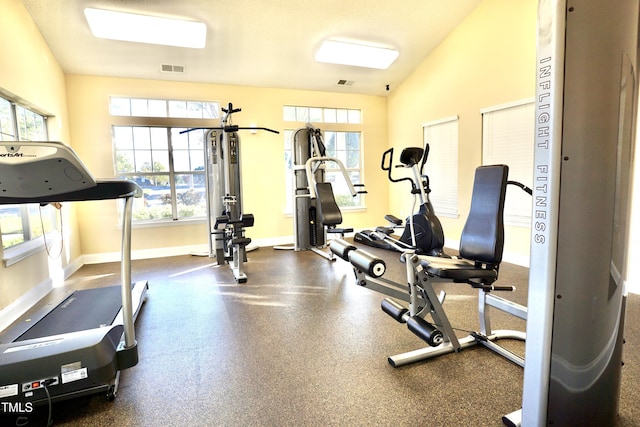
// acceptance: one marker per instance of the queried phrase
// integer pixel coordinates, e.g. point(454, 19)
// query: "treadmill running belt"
point(85, 309)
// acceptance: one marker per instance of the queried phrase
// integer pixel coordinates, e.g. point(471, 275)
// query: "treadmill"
point(80, 346)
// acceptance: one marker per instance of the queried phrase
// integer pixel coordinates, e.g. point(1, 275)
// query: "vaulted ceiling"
point(264, 43)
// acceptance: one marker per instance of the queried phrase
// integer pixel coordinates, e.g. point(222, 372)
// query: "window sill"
point(24, 250)
point(167, 222)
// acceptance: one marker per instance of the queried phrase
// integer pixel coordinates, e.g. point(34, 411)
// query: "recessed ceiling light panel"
point(359, 55)
point(132, 27)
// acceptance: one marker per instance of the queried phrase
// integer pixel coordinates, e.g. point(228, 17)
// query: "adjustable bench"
point(481, 247)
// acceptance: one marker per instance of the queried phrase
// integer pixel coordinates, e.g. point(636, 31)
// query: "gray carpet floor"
point(300, 344)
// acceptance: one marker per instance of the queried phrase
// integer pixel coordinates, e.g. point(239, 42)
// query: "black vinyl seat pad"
point(456, 269)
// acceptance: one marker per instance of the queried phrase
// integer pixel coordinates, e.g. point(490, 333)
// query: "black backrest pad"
point(328, 210)
point(483, 234)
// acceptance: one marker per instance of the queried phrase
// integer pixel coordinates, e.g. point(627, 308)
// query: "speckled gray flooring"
point(300, 344)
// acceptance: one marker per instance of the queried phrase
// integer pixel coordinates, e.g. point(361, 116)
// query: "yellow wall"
point(30, 74)
point(262, 154)
point(488, 60)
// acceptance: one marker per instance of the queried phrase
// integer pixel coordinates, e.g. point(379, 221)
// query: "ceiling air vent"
point(344, 83)
point(168, 68)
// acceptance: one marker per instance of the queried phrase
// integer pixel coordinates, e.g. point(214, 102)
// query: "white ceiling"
point(263, 43)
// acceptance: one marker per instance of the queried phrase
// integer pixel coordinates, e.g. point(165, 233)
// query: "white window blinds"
point(442, 165)
point(508, 138)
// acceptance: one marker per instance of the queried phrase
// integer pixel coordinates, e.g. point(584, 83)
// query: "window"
point(20, 224)
point(17, 123)
point(442, 164)
point(321, 115)
point(134, 107)
point(345, 145)
point(167, 164)
point(7, 121)
point(508, 138)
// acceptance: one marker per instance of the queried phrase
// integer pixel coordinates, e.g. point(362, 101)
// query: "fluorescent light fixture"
point(130, 27)
point(359, 55)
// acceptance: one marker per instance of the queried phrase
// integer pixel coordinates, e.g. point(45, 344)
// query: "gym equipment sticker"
point(69, 377)
point(8, 390)
point(73, 372)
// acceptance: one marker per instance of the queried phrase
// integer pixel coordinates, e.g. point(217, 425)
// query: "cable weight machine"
point(225, 219)
point(316, 211)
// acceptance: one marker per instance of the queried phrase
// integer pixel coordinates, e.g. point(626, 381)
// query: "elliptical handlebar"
point(425, 156)
point(383, 165)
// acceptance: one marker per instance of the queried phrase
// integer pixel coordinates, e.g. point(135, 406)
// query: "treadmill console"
point(30, 169)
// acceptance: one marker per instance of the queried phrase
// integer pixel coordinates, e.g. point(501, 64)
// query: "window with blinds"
point(442, 164)
point(508, 138)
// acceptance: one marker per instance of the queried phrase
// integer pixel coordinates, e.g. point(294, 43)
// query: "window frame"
point(16, 128)
point(171, 124)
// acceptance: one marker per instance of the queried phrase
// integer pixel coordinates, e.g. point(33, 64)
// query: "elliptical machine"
point(422, 230)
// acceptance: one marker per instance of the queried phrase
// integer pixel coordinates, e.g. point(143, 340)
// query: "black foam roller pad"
point(364, 261)
point(341, 248)
point(394, 309)
point(425, 330)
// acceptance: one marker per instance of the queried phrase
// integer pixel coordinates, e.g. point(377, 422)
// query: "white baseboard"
point(13, 311)
point(73, 266)
point(174, 251)
point(143, 254)
point(273, 241)
point(99, 258)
